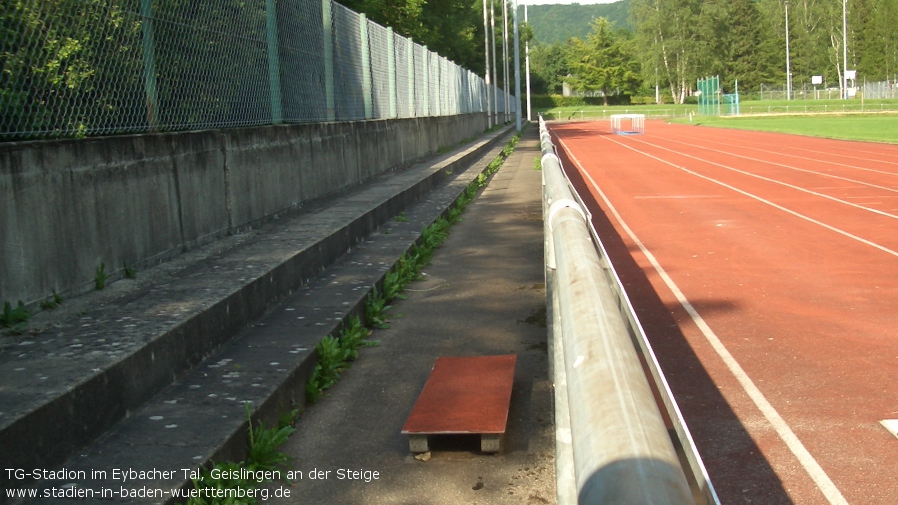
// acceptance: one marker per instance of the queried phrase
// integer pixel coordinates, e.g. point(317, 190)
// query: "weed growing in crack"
point(100, 277)
point(262, 453)
point(52, 301)
point(219, 484)
point(14, 318)
point(376, 306)
point(335, 355)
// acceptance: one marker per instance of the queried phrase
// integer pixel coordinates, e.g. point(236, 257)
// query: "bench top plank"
point(464, 395)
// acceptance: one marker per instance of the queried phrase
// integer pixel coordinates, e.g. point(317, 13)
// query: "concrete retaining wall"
point(68, 206)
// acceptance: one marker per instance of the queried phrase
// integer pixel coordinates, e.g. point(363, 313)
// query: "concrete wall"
point(67, 206)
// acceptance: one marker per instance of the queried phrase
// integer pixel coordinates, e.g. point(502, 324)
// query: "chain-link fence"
point(71, 68)
point(872, 90)
point(881, 89)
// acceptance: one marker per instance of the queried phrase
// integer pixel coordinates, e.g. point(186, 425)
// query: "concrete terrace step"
point(68, 385)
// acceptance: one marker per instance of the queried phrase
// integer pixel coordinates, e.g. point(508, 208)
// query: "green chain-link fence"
point(72, 68)
point(709, 96)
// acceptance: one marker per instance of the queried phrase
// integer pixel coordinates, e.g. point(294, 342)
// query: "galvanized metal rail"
point(612, 442)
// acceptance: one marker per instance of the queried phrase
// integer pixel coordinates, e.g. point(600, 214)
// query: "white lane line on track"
point(762, 200)
point(814, 470)
point(768, 179)
point(854, 167)
point(852, 146)
point(852, 156)
point(673, 197)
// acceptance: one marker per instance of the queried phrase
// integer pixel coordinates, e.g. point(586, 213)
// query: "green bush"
point(555, 101)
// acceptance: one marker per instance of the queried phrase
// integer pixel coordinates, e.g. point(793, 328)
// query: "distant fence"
point(799, 92)
point(594, 114)
point(872, 90)
point(881, 89)
point(73, 68)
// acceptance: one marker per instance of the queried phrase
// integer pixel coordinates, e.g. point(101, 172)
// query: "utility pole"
point(657, 88)
point(788, 65)
point(517, 69)
point(844, 50)
point(505, 58)
point(486, 73)
point(527, 64)
point(495, 71)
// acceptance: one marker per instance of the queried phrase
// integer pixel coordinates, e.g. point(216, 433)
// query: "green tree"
point(548, 67)
point(669, 39)
point(451, 28)
point(81, 57)
point(603, 62)
point(751, 48)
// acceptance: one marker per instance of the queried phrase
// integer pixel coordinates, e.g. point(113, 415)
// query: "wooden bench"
point(463, 396)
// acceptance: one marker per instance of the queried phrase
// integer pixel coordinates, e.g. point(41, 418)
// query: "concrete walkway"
point(484, 294)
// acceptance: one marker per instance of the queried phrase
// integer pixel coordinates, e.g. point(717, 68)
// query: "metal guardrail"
point(612, 443)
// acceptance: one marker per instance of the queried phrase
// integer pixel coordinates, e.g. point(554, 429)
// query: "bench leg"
point(490, 443)
point(418, 443)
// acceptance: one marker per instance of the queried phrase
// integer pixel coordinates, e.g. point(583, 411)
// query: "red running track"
point(764, 268)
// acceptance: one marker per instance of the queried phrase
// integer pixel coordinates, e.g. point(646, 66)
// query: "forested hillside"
point(557, 23)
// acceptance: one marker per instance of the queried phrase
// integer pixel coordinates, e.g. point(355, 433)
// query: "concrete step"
point(162, 354)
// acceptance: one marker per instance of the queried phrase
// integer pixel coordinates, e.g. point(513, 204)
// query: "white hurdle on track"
point(637, 124)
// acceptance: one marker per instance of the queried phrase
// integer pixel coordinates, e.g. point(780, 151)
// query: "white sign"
point(851, 74)
point(816, 79)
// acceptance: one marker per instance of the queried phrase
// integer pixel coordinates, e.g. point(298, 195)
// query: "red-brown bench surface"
point(463, 395)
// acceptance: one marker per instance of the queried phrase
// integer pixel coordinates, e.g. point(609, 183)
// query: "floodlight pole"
point(486, 73)
point(505, 58)
point(527, 69)
point(517, 69)
point(788, 65)
point(844, 50)
point(495, 71)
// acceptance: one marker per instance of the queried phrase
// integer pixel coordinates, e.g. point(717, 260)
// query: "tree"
point(668, 36)
point(450, 28)
point(603, 62)
point(548, 67)
point(751, 48)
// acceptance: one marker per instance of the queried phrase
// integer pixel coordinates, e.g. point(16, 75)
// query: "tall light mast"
point(527, 65)
point(788, 65)
point(517, 69)
point(486, 73)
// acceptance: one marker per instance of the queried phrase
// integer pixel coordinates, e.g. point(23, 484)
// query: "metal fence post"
point(366, 65)
point(149, 61)
point(412, 106)
point(391, 71)
point(426, 65)
point(327, 26)
point(274, 64)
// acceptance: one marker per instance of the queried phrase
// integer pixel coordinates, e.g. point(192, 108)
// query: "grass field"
point(785, 116)
point(875, 128)
point(591, 112)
